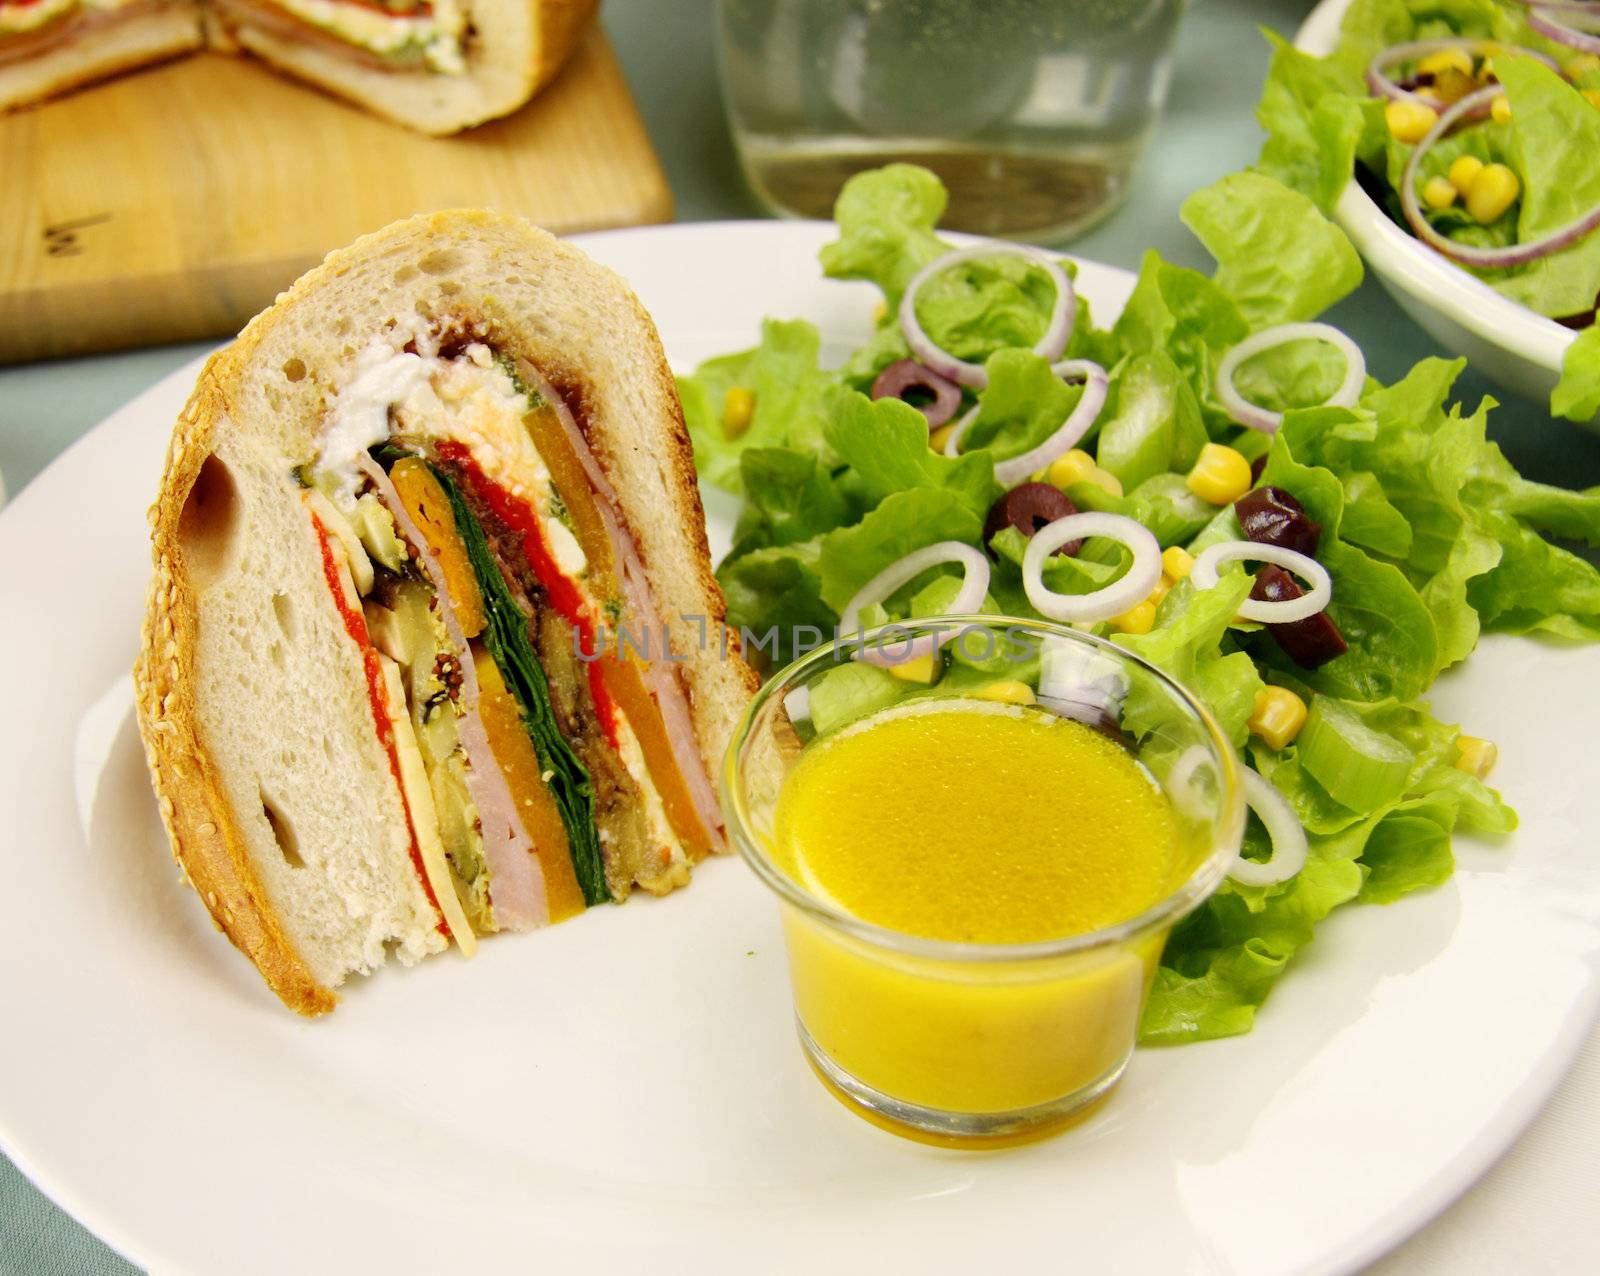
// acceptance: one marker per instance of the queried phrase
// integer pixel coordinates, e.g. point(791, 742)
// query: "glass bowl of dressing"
point(978, 854)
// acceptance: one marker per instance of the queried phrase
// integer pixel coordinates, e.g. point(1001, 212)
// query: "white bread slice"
point(248, 689)
point(121, 43)
point(518, 47)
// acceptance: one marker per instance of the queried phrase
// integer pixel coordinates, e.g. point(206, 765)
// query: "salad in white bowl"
point(1455, 141)
point(1211, 480)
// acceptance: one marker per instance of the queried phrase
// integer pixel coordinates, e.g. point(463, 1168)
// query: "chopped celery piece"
point(1360, 768)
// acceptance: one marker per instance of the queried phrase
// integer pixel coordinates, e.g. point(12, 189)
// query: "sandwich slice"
point(438, 66)
point(50, 46)
point(433, 648)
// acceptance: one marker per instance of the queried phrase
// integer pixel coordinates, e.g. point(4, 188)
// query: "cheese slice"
point(419, 800)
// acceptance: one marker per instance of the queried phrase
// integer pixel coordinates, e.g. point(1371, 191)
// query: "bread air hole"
point(440, 261)
point(208, 527)
point(283, 613)
point(294, 369)
point(282, 832)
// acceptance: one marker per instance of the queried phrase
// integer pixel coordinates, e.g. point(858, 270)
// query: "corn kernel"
point(1077, 466)
point(1176, 562)
point(1409, 121)
point(1277, 717)
point(1500, 110)
point(1494, 190)
point(1163, 587)
point(738, 407)
point(1477, 756)
point(1464, 170)
point(940, 437)
point(923, 669)
point(1220, 476)
point(1139, 619)
point(1580, 66)
point(1008, 691)
point(1439, 193)
point(1592, 96)
point(1071, 467)
point(1446, 59)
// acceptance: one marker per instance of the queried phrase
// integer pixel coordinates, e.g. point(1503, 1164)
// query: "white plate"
point(626, 1091)
point(1512, 345)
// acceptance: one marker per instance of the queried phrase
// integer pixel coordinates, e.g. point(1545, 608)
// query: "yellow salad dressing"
point(976, 822)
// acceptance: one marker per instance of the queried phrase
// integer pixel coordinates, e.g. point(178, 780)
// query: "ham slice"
point(659, 677)
point(516, 885)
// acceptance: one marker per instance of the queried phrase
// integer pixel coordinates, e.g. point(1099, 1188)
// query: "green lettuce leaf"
point(1278, 258)
point(1223, 960)
point(1152, 424)
point(886, 218)
point(902, 522)
point(1023, 404)
point(1188, 644)
point(1394, 646)
point(792, 400)
point(771, 594)
point(1188, 317)
point(885, 443)
point(1317, 122)
point(1577, 394)
point(1555, 135)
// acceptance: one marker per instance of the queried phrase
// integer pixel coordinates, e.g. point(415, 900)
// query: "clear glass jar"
point(982, 1044)
point(1032, 112)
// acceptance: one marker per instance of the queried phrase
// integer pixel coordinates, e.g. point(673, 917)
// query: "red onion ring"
point(1050, 346)
point(1553, 29)
point(974, 585)
point(1258, 418)
point(1466, 254)
point(1067, 369)
point(952, 445)
point(1122, 594)
point(1015, 469)
point(1382, 85)
point(1289, 846)
point(1203, 575)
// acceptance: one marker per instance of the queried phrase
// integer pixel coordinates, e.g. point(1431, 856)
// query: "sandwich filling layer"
point(32, 27)
point(552, 770)
point(426, 35)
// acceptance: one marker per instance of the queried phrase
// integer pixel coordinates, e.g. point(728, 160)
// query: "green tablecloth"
point(666, 48)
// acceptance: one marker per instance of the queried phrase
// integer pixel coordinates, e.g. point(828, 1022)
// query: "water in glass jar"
point(1033, 112)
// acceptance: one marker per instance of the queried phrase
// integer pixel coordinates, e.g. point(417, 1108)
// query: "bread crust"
point(672, 544)
point(200, 823)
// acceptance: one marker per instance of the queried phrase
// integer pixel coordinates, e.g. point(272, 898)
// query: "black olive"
point(1311, 642)
point(908, 375)
point(1258, 467)
point(1270, 516)
point(1029, 507)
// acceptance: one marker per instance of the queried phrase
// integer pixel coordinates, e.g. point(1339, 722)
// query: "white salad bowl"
point(1510, 344)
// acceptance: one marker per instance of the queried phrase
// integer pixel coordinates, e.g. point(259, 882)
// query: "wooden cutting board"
point(176, 202)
